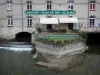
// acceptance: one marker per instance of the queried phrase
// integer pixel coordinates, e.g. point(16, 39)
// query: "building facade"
point(14, 20)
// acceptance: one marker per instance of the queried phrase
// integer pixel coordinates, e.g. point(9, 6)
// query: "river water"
point(21, 63)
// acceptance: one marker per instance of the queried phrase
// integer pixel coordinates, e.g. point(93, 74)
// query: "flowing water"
point(21, 63)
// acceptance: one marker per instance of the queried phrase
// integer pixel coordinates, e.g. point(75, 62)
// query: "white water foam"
point(16, 49)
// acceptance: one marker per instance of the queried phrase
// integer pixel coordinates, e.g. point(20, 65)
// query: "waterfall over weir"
point(17, 46)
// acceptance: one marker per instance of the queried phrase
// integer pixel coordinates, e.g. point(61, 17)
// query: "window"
point(70, 16)
point(29, 21)
point(9, 4)
point(92, 21)
point(71, 1)
point(10, 20)
point(92, 5)
point(70, 6)
point(49, 4)
point(48, 16)
point(29, 5)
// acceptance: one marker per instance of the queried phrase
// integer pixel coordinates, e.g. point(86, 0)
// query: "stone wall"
point(69, 49)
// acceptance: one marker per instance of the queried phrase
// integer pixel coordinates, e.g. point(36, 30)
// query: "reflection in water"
point(21, 63)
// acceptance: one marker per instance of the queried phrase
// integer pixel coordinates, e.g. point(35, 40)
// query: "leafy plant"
point(39, 30)
point(51, 41)
point(66, 41)
point(83, 35)
point(58, 42)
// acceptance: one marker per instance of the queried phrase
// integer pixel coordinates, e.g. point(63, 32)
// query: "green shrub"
point(39, 39)
point(66, 41)
point(58, 42)
point(39, 30)
point(83, 35)
point(51, 41)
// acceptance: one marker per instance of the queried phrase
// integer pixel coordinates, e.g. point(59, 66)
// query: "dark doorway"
point(23, 37)
point(70, 26)
point(49, 27)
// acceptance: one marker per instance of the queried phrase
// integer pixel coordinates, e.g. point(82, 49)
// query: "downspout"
point(88, 17)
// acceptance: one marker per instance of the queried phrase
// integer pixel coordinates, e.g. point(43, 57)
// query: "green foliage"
point(83, 35)
point(66, 41)
point(61, 40)
point(39, 30)
point(51, 41)
point(58, 42)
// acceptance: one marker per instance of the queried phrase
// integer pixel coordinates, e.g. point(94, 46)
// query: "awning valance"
point(68, 20)
point(48, 20)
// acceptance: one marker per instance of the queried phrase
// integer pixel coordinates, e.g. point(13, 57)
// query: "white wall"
point(80, 6)
point(81, 10)
point(81, 1)
point(98, 11)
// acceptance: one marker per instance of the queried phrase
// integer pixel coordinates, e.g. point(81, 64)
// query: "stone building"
point(13, 19)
